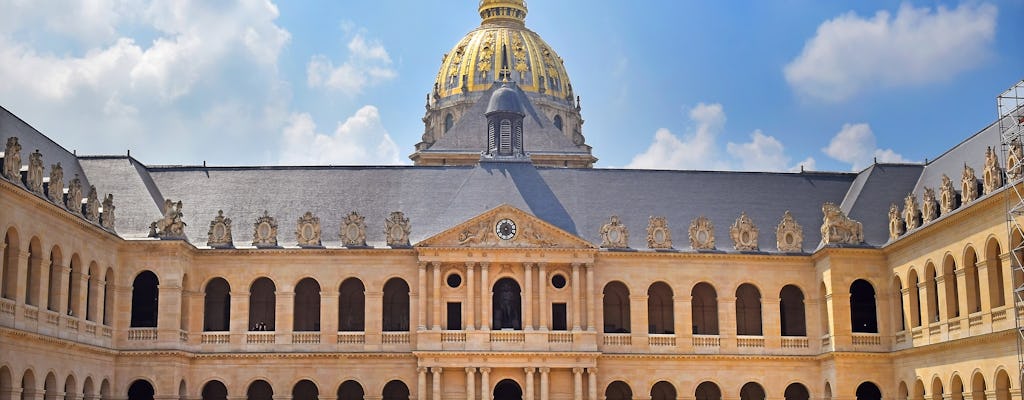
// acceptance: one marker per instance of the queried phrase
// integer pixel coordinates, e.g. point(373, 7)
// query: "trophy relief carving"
point(307, 232)
point(895, 222)
point(219, 236)
point(992, 177)
point(475, 234)
point(702, 234)
point(744, 234)
point(968, 186)
point(789, 235)
point(837, 228)
point(534, 237)
point(92, 205)
point(35, 172)
point(107, 216)
point(55, 190)
point(929, 206)
point(659, 236)
point(947, 195)
point(1013, 160)
point(614, 234)
point(265, 231)
point(910, 212)
point(397, 230)
point(353, 230)
point(74, 200)
point(171, 225)
point(12, 160)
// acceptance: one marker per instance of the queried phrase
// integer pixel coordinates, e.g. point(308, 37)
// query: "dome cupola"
point(503, 10)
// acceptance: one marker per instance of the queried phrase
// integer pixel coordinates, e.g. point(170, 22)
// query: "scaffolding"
point(1010, 105)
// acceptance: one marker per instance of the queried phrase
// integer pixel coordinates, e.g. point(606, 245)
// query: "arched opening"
point(28, 386)
point(900, 313)
point(145, 300)
point(71, 388)
point(956, 388)
point(862, 307)
point(828, 392)
point(305, 390)
point(350, 390)
point(74, 288)
point(704, 306)
point(558, 123)
point(868, 391)
point(915, 299)
point(752, 391)
point(396, 306)
point(708, 391)
point(89, 389)
point(105, 390)
point(395, 390)
point(791, 311)
point(34, 272)
point(660, 317)
point(306, 309)
point(217, 306)
point(995, 273)
point(50, 387)
point(215, 390)
point(932, 292)
point(12, 246)
point(352, 306)
point(902, 393)
point(618, 390)
point(1002, 385)
point(663, 391)
point(826, 325)
point(90, 291)
point(1016, 243)
point(53, 286)
point(140, 390)
point(262, 305)
point(971, 273)
point(108, 295)
point(918, 393)
point(259, 390)
point(615, 307)
point(449, 121)
point(797, 391)
point(6, 384)
point(506, 305)
point(508, 389)
point(936, 389)
point(978, 387)
point(950, 285)
point(748, 310)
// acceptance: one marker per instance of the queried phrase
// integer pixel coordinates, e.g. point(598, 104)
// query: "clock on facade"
point(505, 229)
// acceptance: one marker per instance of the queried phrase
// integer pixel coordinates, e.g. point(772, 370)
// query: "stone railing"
point(826, 340)
point(90, 328)
point(750, 341)
point(935, 329)
point(52, 317)
point(707, 341)
point(795, 342)
point(7, 306)
point(183, 336)
point(261, 337)
point(508, 337)
point(395, 337)
point(71, 323)
point(107, 331)
point(659, 340)
point(917, 332)
point(999, 314)
point(32, 313)
point(305, 337)
point(975, 319)
point(618, 339)
point(866, 339)
point(351, 337)
point(215, 338)
point(141, 334)
point(453, 336)
point(559, 337)
point(901, 337)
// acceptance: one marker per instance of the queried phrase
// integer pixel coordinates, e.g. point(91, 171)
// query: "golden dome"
point(502, 48)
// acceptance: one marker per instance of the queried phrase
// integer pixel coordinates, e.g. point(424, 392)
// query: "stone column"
point(923, 303)
point(435, 311)
point(529, 383)
point(485, 298)
point(528, 298)
point(984, 287)
point(638, 324)
point(21, 285)
point(485, 384)
point(577, 383)
point(727, 321)
point(544, 307)
point(592, 383)
point(1008, 286)
point(42, 283)
point(470, 311)
point(591, 298)
point(78, 281)
point(421, 298)
point(421, 381)
point(62, 292)
point(908, 318)
point(470, 383)
point(436, 387)
point(99, 291)
point(544, 384)
point(940, 285)
point(961, 291)
point(576, 297)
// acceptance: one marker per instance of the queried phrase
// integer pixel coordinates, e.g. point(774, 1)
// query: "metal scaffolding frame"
point(1010, 105)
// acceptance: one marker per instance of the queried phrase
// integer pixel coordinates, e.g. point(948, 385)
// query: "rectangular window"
point(558, 320)
point(454, 317)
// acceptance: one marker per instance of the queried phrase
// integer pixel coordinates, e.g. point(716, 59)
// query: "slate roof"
point(31, 139)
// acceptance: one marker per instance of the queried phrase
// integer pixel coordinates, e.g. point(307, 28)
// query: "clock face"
point(505, 229)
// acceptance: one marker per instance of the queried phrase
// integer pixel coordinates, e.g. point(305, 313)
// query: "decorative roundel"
point(505, 229)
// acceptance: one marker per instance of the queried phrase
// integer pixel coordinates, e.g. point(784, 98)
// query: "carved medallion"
point(219, 236)
point(92, 205)
point(55, 190)
point(307, 232)
point(397, 230)
point(107, 216)
point(837, 228)
point(929, 206)
point(659, 236)
point(353, 230)
point(910, 212)
point(265, 231)
point(744, 234)
point(35, 172)
point(74, 200)
point(171, 225)
point(947, 195)
point(968, 186)
point(1014, 160)
point(992, 177)
point(789, 235)
point(12, 160)
point(895, 222)
point(614, 234)
point(702, 234)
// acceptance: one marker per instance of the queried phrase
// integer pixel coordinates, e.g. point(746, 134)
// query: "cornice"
point(957, 343)
point(296, 251)
point(58, 342)
point(705, 357)
point(505, 354)
point(54, 209)
point(704, 255)
point(951, 219)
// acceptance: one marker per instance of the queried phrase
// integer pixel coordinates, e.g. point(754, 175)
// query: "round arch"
point(663, 390)
point(350, 390)
point(214, 390)
point(615, 307)
point(618, 390)
point(797, 391)
point(140, 389)
point(707, 390)
point(868, 391)
point(704, 309)
point(395, 390)
point(660, 311)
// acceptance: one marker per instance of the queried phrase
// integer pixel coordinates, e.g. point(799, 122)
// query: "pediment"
point(482, 231)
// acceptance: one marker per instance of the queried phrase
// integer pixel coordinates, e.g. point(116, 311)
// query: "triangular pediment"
point(483, 231)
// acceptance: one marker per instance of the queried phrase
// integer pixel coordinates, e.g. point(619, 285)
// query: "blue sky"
point(664, 84)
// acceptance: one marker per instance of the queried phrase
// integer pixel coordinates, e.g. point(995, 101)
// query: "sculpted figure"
point(171, 225)
point(929, 210)
point(35, 172)
point(92, 205)
point(744, 233)
point(910, 212)
point(969, 185)
point(107, 218)
point(55, 191)
point(12, 160)
point(992, 177)
point(74, 200)
point(397, 230)
point(947, 195)
point(614, 234)
point(895, 222)
point(837, 228)
point(789, 235)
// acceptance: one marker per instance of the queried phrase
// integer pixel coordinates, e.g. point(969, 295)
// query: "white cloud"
point(700, 149)
point(360, 140)
point(855, 145)
point(849, 53)
point(368, 64)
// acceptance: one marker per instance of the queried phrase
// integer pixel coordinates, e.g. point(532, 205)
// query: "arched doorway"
point(217, 306)
point(748, 310)
point(305, 390)
point(660, 319)
point(615, 305)
point(618, 390)
point(396, 306)
point(704, 309)
point(259, 390)
point(707, 391)
point(791, 311)
point(862, 308)
point(663, 391)
point(215, 390)
point(395, 390)
point(140, 390)
point(796, 391)
point(145, 299)
point(506, 305)
point(868, 391)
point(262, 305)
point(752, 391)
point(350, 390)
point(351, 306)
point(306, 309)
point(508, 389)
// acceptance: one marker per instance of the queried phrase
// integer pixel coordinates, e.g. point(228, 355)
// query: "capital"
point(436, 370)
point(530, 370)
point(422, 370)
point(485, 370)
point(577, 371)
point(544, 370)
point(470, 370)
point(592, 370)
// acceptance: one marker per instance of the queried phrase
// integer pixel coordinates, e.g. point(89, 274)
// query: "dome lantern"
point(503, 11)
